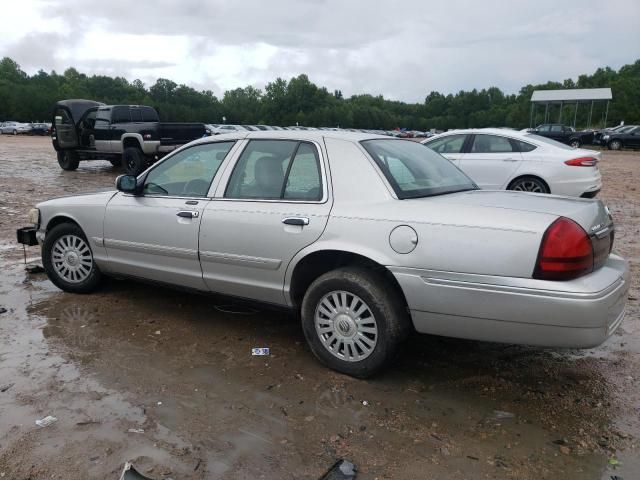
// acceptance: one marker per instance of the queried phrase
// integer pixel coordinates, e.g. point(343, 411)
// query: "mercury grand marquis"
point(367, 238)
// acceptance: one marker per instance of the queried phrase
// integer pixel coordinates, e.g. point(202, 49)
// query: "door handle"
point(509, 159)
point(188, 214)
point(300, 221)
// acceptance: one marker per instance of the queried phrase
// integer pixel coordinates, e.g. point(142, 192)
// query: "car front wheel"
point(133, 161)
point(353, 321)
point(575, 143)
point(615, 145)
point(68, 260)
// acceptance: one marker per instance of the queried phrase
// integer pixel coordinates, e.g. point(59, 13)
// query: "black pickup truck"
point(127, 135)
point(564, 134)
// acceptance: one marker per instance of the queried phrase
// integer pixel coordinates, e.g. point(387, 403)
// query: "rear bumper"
point(580, 313)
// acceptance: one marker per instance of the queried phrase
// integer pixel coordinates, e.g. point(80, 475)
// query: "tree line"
point(299, 101)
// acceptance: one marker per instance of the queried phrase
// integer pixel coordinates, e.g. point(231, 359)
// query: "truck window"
point(121, 115)
point(149, 114)
point(136, 115)
point(103, 117)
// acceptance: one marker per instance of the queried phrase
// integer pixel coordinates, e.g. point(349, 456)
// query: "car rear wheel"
point(133, 161)
point(68, 160)
point(615, 145)
point(529, 184)
point(575, 143)
point(353, 321)
point(68, 260)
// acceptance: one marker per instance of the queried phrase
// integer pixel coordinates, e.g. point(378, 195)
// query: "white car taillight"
point(582, 162)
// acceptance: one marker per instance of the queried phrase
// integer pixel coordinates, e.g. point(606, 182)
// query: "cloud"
point(403, 50)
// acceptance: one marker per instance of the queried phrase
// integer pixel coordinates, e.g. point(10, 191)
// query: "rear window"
point(120, 115)
point(149, 114)
point(414, 170)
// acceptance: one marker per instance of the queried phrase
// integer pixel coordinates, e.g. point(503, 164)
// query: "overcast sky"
point(401, 49)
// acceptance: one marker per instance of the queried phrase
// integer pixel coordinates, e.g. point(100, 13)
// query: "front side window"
point(556, 128)
point(188, 173)
point(543, 128)
point(415, 171)
point(491, 144)
point(276, 170)
point(448, 144)
point(103, 117)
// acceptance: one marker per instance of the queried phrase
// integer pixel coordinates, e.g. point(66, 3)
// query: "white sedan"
point(497, 159)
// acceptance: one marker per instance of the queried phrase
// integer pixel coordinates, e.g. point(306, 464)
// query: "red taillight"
point(566, 252)
point(582, 162)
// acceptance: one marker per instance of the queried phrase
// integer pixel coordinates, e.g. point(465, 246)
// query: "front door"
point(274, 203)
point(491, 161)
point(155, 235)
point(66, 134)
point(449, 146)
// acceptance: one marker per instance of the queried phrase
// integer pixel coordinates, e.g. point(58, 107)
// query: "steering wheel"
point(197, 186)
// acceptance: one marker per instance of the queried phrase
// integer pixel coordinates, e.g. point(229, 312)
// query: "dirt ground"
point(178, 367)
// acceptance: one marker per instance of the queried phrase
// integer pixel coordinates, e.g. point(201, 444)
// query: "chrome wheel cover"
point(346, 326)
point(71, 258)
point(528, 186)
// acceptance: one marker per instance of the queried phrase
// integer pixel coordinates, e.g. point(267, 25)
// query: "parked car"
point(498, 159)
point(597, 136)
point(227, 128)
point(14, 128)
point(40, 129)
point(127, 135)
point(623, 138)
point(564, 134)
point(413, 244)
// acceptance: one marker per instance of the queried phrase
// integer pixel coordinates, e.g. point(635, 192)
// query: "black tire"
point(529, 184)
point(116, 162)
point(68, 159)
point(15, 132)
point(387, 309)
point(575, 143)
point(615, 144)
point(133, 161)
point(72, 231)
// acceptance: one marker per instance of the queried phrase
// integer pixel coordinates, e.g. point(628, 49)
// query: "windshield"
point(414, 170)
point(542, 139)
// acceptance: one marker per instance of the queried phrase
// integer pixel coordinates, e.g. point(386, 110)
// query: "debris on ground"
point(33, 268)
point(3, 310)
point(501, 415)
point(130, 473)
point(5, 387)
point(136, 430)
point(260, 351)
point(46, 421)
point(341, 470)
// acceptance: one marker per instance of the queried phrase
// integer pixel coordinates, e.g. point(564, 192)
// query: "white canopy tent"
point(570, 96)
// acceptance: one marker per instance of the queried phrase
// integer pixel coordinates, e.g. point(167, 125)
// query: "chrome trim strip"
point(151, 249)
point(241, 260)
point(98, 241)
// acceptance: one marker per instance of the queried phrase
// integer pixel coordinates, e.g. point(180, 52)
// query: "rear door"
point(633, 138)
point(102, 130)
point(450, 146)
point(120, 118)
point(491, 160)
point(66, 133)
point(273, 202)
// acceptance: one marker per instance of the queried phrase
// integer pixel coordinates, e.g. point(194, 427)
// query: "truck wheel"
point(353, 321)
point(68, 160)
point(575, 143)
point(68, 260)
point(133, 161)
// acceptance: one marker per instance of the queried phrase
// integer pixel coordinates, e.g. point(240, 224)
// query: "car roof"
point(311, 135)
point(504, 132)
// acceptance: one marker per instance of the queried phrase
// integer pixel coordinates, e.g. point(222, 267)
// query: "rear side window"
point(448, 144)
point(276, 170)
point(149, 114)
point(556, 128)
point(136, 115)
point(120, 115)
point(524, 146)
point(491, 144)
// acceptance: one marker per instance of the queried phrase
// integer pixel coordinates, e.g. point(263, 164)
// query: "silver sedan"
point(368, 238)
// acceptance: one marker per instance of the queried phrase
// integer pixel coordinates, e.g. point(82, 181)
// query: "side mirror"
point(127, 184)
